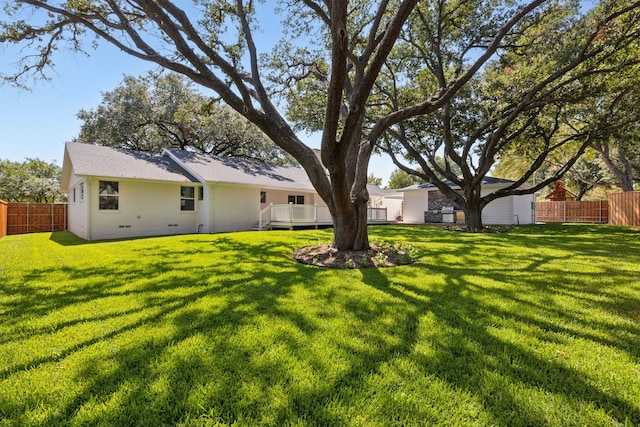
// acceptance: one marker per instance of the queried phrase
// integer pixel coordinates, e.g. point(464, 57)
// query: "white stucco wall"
point(78, 208)
point(498, 212)
point(523, 210)
point(234, 207)
point(510, 210)
point(415, 203)
point(145, 209)
point(393, 206)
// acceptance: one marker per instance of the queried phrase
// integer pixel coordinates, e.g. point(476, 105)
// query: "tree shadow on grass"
point(469, 356)
point(220, 343)
point(175, 301)
point(261, 340)
point(469, 353)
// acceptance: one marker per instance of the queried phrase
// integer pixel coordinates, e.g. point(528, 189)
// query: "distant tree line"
point(33, 180)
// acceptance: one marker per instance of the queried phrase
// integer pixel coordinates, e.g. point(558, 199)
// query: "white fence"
point(293, 214)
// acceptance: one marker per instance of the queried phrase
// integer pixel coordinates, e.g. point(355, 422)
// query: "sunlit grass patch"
point(538, 325)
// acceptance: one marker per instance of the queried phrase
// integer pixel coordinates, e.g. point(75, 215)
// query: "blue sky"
point(37, 123)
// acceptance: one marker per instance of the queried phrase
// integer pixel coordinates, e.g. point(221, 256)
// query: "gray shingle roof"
point(97, 160)
point(375, 191)
point(237, 171)
point(487, 180)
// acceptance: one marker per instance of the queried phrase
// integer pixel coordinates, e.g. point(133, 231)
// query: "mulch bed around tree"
point(375, 257)
point(485, 229)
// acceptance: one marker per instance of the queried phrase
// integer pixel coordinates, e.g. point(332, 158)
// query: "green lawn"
point(536, 326)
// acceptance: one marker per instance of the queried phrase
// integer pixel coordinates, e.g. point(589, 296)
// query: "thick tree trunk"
point(350, 229)
point(349, 215)
point(623, 171)
point(626, 180)
point(473, 218)
point(473, 211)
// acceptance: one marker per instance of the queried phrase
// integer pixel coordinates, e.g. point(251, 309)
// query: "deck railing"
point(377, 215)
point(293, 214)
point(299, 213)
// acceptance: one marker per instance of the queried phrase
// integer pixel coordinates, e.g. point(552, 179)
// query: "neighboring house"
point(116, 193)
point(424, 203)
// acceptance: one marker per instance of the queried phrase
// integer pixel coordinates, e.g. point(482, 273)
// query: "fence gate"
point(36, 217)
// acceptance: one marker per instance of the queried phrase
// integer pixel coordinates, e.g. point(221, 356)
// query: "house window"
point(187, 199)
point(200, 193)
point(296, 200)
point(108, 195)
point(263, 197)
point(74, 195)
point(81, 191)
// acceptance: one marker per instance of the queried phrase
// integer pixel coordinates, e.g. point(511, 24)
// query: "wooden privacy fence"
point(36, 217)
point(3, 219)
point(595, 212)
point(624, 208)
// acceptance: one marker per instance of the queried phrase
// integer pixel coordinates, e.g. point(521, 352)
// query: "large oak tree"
point(157, 111)
point(547, 92)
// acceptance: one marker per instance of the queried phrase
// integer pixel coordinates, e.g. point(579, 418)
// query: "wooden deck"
point(292, 216)
point(299, 224)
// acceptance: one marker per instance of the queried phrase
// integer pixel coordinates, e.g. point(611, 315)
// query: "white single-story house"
point(116, 193)
point(425, 203)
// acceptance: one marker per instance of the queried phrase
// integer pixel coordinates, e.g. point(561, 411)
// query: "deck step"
point(256, 227)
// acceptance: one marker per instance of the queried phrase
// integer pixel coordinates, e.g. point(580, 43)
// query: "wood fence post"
point(4, 218)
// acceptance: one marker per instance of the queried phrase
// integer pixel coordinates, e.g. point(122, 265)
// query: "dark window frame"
point(296, 199)
point(187, 199)
point(108, 195)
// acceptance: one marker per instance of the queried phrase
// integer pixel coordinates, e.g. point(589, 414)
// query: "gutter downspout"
point(88, 202)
